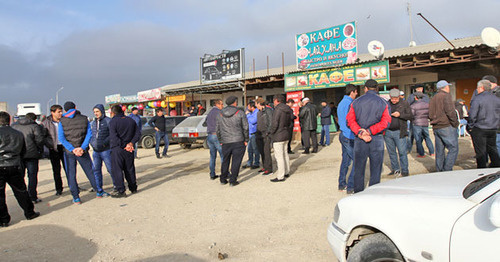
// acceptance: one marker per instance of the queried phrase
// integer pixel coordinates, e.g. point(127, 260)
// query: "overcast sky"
point(97, 48)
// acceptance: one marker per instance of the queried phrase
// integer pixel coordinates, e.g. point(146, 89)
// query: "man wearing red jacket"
point(368, 117)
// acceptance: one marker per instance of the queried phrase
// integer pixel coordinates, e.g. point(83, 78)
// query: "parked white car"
point(448, 216)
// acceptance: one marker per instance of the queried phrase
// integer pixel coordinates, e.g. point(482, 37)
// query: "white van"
point(23, 109)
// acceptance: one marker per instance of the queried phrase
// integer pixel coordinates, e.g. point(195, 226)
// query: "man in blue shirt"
point(135, 115)
point(212, 141)
point(253, 151)
point(346, 138)
point(74, 133)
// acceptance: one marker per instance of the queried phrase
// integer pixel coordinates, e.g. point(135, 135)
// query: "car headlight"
point(336, 214)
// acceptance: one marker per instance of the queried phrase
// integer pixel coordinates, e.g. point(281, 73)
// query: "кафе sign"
point(338, 77)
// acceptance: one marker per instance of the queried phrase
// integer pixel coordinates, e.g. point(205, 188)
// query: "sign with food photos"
point(338, 77)
point(329, 47)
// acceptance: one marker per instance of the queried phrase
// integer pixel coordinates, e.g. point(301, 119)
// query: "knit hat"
point(370, 83)
point(69, 105)
point(230, 100)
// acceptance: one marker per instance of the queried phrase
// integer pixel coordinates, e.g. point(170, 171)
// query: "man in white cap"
point(444, 121)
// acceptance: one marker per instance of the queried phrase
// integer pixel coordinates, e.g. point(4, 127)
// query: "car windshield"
point(191, 121)
point(479, 184)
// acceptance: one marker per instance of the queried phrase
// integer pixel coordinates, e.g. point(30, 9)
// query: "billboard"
point(338, 77)
point(221, 67)
point(112, 99)
point(329, 47)
point(149, 95)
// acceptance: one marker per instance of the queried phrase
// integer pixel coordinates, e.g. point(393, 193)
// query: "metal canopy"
point(207, 88)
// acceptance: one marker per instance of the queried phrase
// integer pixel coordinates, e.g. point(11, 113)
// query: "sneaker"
point(277, 180)
point(214, 177)
point(4, 224)
point(223, 182)
point(165, 155)
point(235, 183)
point(118, 194)
point(287, 175)
point(77, 201)
point(394, 173)
point(35, 215)
point(419, 156)
point(266, 173)
point(102, 194)
point(342, 189)
point(245, 166)
point(432, 155)
point(158, 156)
point(36, 201)
point(262, 170)
point(315, 150)
point(58, 193)
point(350, 191)
point(133, 191)
point(305, 152)
point(255, 167)
point(405, 174)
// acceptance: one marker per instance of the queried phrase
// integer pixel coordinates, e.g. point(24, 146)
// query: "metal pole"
point(268, 65)
point(57, 94)
point(283, 62)
point(420, 14)
point(253, 67)
point(48, 102)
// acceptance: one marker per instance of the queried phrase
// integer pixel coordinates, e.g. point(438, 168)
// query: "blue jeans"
point(99, 157)
point(393, 141)
point(461, 131)
point(421, 133)
point(31, 165)
point(347, 157)
point(86, 164)
point(214, 145)
point(362, 151)
point(446, 138)
point(325, 132)
point(253, 152)
point(159, 136)
point(498, 143)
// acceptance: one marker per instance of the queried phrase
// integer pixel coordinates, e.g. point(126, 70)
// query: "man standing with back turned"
point(368, 118)
point(123, 134)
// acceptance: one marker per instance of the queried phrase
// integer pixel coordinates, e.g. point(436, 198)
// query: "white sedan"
point(448, 216)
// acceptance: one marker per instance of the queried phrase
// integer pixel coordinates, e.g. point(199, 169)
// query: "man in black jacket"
point(12, 147)
point(34, 139)
point(308, 125)
point(326, 121)
point(56, 149)
point(263, 135)
point(123, 134)
point(158, 122)
point(232, 132)
point(396, 133)
point(280, 131)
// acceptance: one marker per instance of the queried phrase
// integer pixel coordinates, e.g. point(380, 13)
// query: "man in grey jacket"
point(232, 132)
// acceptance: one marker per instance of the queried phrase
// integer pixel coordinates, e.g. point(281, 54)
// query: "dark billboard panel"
point(221, 67)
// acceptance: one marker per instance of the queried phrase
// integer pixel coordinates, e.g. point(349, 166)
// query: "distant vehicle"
point(193, 130)
point(148, 139)
point(3, 106)
point(23, 109)
point(448, 216)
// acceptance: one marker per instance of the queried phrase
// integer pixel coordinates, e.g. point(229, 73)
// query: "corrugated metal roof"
point(461, 43)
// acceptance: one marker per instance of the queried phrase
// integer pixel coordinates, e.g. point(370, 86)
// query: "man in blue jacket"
point(74, 133)
point(135, 115)
point(346, 138)
point(100, 143)
point(484, 119)
point(123, 134)
point(253, 151)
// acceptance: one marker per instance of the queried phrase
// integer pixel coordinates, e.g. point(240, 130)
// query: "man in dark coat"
point(263, 135)
point(74, 133)
point(34, 139)
point(56, 149)
point(232, 132)
point(158, 122)
point(308, 125)
point(12, 147)
point(326, 121)
point(135, 115)
point(280, 131)
point(100, 143)
point(123, 134)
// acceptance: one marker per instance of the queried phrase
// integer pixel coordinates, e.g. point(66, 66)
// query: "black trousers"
point(264, 146)
point(122, 165)
point(231, 153)
point(290, 141)
point(307, 137)
point(484, 142)
point(15, 178)
point(56, 158)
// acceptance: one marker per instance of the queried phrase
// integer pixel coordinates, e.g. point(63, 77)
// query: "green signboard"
point(338, 77)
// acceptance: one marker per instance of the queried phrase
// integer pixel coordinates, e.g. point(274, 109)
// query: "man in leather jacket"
point(56, 149)
point(11, 150)
point(308, 125)
point(232, 132)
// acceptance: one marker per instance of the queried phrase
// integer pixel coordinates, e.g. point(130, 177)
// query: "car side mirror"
point(495, 211)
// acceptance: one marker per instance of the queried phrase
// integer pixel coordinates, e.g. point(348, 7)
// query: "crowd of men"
point(367, 124)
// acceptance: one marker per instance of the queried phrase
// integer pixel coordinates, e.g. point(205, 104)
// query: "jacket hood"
point(71, 113)
point(101, 108)
point(229, 111)
point(25, 121)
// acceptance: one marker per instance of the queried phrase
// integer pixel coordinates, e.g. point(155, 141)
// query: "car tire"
point(376, 247)
point(185, 146)
point(148, 142)
point(205, 144)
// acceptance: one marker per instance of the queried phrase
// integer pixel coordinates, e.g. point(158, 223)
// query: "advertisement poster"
point(222, 67)
point(129, 99)
point(296, 96)
point(329, 47)
point(338, 77)
point(112, 99)
point(148, 95)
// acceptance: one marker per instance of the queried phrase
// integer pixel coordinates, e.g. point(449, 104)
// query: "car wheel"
point(205, 144)
point(148, 142)
point(376, 247)
point(185, 146)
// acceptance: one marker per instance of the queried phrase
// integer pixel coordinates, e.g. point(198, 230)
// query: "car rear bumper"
point(189, 140)
point(337, 239)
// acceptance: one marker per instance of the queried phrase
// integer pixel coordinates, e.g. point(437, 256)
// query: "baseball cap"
point(442, 83)
point(490, 78)
point(394, 92)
